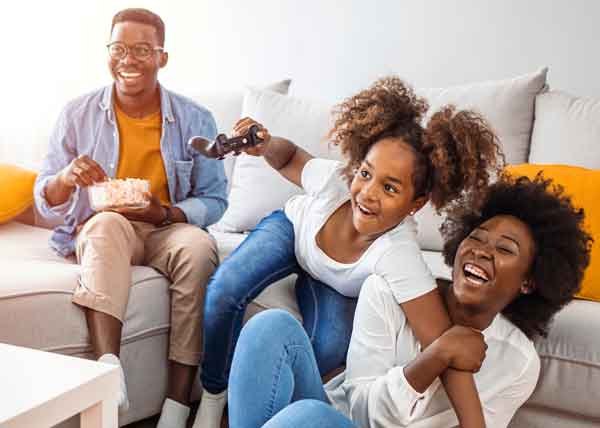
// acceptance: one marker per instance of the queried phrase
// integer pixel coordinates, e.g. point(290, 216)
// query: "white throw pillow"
point(256, 188)
point(566, 130)
point(226, 107)
point(508, 105)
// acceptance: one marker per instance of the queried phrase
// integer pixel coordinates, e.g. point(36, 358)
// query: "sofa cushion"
point(16, 191)
point(36, 289)
point(256, 188)
point(570, 357)
point(566, 130)
point(583, 186)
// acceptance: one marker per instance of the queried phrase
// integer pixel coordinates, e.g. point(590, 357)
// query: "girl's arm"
point(429, 319)
point(283, 155)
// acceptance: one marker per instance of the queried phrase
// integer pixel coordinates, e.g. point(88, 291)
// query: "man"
point(137, 128)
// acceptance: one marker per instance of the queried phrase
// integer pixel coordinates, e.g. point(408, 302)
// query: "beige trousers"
point(107, 246)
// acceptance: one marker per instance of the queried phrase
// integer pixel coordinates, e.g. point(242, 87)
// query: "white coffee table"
point(41, 389)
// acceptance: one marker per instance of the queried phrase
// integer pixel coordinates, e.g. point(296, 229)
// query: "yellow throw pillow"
point(583, 186)
point(16, 191)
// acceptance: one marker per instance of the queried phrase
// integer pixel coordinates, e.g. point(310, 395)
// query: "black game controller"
point(222, 145)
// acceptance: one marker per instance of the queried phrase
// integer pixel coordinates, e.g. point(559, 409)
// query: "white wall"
point(53, 51)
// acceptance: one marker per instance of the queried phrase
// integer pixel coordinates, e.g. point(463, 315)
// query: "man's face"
point(136, 76)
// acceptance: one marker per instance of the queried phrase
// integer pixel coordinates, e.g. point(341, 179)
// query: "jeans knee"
point(271, 326)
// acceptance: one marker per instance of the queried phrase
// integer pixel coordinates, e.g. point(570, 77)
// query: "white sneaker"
point(211, 409)
point(123, 400)
point(173, 415)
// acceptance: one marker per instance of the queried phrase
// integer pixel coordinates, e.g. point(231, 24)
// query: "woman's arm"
point(283, 155)
point(429, 319)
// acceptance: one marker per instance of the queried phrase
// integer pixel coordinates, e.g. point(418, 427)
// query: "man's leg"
point(106, 247)
point(188, 256)
point(273, 366)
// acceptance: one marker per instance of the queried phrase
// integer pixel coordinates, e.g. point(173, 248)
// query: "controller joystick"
point(222, 145)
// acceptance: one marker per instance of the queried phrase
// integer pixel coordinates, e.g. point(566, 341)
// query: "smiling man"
point(136, 128)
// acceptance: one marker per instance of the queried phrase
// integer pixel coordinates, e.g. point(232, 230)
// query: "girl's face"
point(492, 264)
point(382, 191)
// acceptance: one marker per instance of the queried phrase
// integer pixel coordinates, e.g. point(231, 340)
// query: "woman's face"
point(382, 191)
point(492, 264)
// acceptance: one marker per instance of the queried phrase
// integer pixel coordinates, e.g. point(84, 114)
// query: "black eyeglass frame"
point(131, 50)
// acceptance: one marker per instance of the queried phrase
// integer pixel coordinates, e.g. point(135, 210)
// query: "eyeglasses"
point(141, 51)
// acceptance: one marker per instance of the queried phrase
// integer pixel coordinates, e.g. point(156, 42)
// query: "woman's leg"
point(264, 257)
point(273, 366)
point(298, 415)
point(327, 317)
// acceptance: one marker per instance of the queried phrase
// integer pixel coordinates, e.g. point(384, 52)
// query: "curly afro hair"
point(454, 156)
point(562, 246)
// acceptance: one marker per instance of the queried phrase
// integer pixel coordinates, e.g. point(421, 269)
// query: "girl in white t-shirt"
point(354, 220)
point(516, 261)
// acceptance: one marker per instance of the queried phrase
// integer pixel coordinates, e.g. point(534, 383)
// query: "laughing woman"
point(516, 262)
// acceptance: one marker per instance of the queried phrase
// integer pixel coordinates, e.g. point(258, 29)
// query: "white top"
point(395, 255)
point(374, 393)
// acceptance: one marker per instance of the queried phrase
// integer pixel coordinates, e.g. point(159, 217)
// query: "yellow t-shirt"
point(139, 152)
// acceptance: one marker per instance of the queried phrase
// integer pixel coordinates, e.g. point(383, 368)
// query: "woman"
point(354, 220)
point(516, 262)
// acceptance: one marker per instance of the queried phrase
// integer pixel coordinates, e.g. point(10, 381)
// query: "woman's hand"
point(242, 127)
point(463, 348)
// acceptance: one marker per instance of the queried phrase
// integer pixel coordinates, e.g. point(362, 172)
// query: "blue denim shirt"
point(87, 126)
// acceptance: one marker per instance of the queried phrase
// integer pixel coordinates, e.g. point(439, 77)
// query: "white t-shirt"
point(374, 393)
point(395, 255)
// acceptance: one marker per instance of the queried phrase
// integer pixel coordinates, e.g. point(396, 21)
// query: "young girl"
point(515, 262)
point(354, 220)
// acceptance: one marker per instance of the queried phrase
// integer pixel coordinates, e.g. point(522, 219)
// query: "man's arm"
point(206, 198)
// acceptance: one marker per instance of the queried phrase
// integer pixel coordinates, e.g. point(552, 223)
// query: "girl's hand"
point(242, 127)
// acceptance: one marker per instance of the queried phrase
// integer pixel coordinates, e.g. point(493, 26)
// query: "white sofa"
point(36, 285)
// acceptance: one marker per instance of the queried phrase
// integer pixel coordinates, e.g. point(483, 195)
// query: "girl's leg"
point(313, 413)
point(265, 256)
point(327, 318)
point(273, 366)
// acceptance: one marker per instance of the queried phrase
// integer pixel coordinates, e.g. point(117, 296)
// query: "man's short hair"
point(143, 16)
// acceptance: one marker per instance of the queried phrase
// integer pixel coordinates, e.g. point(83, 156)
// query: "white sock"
point(173, 415)
point(123, 399)
point(210, 411)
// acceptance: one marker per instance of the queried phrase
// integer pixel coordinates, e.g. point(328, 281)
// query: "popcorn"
point(119, 193)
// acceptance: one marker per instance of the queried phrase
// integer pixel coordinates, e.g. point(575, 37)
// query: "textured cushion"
point(508, 106)
point(16, 191)
point(256, 188)
point(583, 185)
point(570, 356)
point(566, 130)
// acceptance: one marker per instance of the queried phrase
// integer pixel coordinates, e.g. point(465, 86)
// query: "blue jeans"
point(274, 366)
point(265, 256)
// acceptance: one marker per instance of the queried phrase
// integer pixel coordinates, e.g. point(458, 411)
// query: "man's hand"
point(154, 213)
point(82, 171)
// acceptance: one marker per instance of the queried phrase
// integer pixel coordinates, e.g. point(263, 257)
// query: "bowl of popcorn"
point(119, 193)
